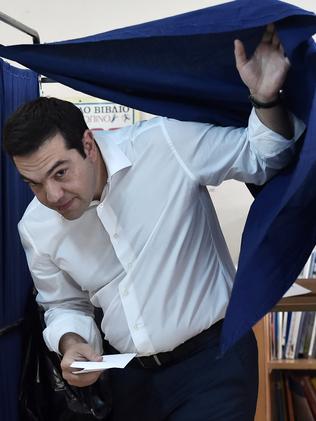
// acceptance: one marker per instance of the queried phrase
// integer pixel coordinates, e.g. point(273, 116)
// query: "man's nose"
point(54, 192)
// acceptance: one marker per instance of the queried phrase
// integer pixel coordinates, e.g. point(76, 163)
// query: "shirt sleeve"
point(67, 307)
point(211, 154)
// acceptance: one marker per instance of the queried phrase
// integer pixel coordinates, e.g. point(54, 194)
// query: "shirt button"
point(129, 265)
point(101, 205)
point(116, 235)
point(125, 292)
point(138, 326)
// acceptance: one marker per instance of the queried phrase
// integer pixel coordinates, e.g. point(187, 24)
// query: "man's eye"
point(60, 173)
point(33, 186)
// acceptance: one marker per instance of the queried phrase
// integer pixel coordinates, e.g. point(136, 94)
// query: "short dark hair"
point(38, 120)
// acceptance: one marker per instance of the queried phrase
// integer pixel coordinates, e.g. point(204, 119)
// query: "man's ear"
point(89, 145)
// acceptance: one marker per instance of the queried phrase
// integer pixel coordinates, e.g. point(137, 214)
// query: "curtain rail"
point(27, 30)
point(21, 27)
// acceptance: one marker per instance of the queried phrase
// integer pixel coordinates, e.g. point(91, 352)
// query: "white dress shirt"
point(151, 253)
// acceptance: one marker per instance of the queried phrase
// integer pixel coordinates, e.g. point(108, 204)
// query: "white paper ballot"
point(109, 361)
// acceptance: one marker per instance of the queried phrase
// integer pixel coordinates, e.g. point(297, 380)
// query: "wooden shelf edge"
point(306, 302)
point(309, 283)
point(266, 409)
point(298, 364)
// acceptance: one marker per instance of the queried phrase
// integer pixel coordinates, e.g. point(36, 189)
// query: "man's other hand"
point(264, 73)
point(79, 351)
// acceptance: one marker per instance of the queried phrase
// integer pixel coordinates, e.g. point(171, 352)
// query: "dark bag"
point(44, 394)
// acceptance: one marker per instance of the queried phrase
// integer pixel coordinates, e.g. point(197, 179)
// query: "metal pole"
point(21, 27)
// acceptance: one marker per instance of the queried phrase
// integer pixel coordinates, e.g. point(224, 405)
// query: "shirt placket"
point(127, 257)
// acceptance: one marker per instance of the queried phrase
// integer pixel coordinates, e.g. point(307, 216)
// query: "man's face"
point(59, 177)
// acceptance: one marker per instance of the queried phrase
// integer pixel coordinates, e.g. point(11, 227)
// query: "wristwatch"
point(259, 104)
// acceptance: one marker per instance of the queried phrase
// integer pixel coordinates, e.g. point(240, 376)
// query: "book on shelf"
point(280, 396)
point(294, 396)
point(312, 343)
point(309, 392)
point(293, 335)
point(301, 405)
point(292, 344)
point(312, 267)
point(307, 331)
point(279, 332)
point(289, 400)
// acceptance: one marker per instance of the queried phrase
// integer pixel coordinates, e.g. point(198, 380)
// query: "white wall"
point(65, 19)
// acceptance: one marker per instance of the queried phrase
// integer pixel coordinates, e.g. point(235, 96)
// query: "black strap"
point(271, 104)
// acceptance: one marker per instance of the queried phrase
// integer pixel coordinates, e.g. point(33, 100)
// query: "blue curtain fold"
point(16, 87)
point(183, 67)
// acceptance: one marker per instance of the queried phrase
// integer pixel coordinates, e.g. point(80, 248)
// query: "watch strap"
point(271, 104)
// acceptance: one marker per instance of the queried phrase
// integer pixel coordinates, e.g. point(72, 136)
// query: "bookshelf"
point(267, 366)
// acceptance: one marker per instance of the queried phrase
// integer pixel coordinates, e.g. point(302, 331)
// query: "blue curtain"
point(183, 67)
point(16, 87)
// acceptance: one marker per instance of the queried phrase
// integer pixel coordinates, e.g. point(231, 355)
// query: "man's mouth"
point(65, 206)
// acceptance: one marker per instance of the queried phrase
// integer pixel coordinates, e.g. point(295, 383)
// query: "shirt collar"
point(113, 157)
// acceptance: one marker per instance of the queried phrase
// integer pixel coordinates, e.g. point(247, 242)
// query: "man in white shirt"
point(123, 221)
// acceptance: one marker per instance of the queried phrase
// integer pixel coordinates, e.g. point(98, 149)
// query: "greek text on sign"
point(106, 115)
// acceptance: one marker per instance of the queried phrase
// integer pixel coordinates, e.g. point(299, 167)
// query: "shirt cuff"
point(269, 143)
point(82, 325)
